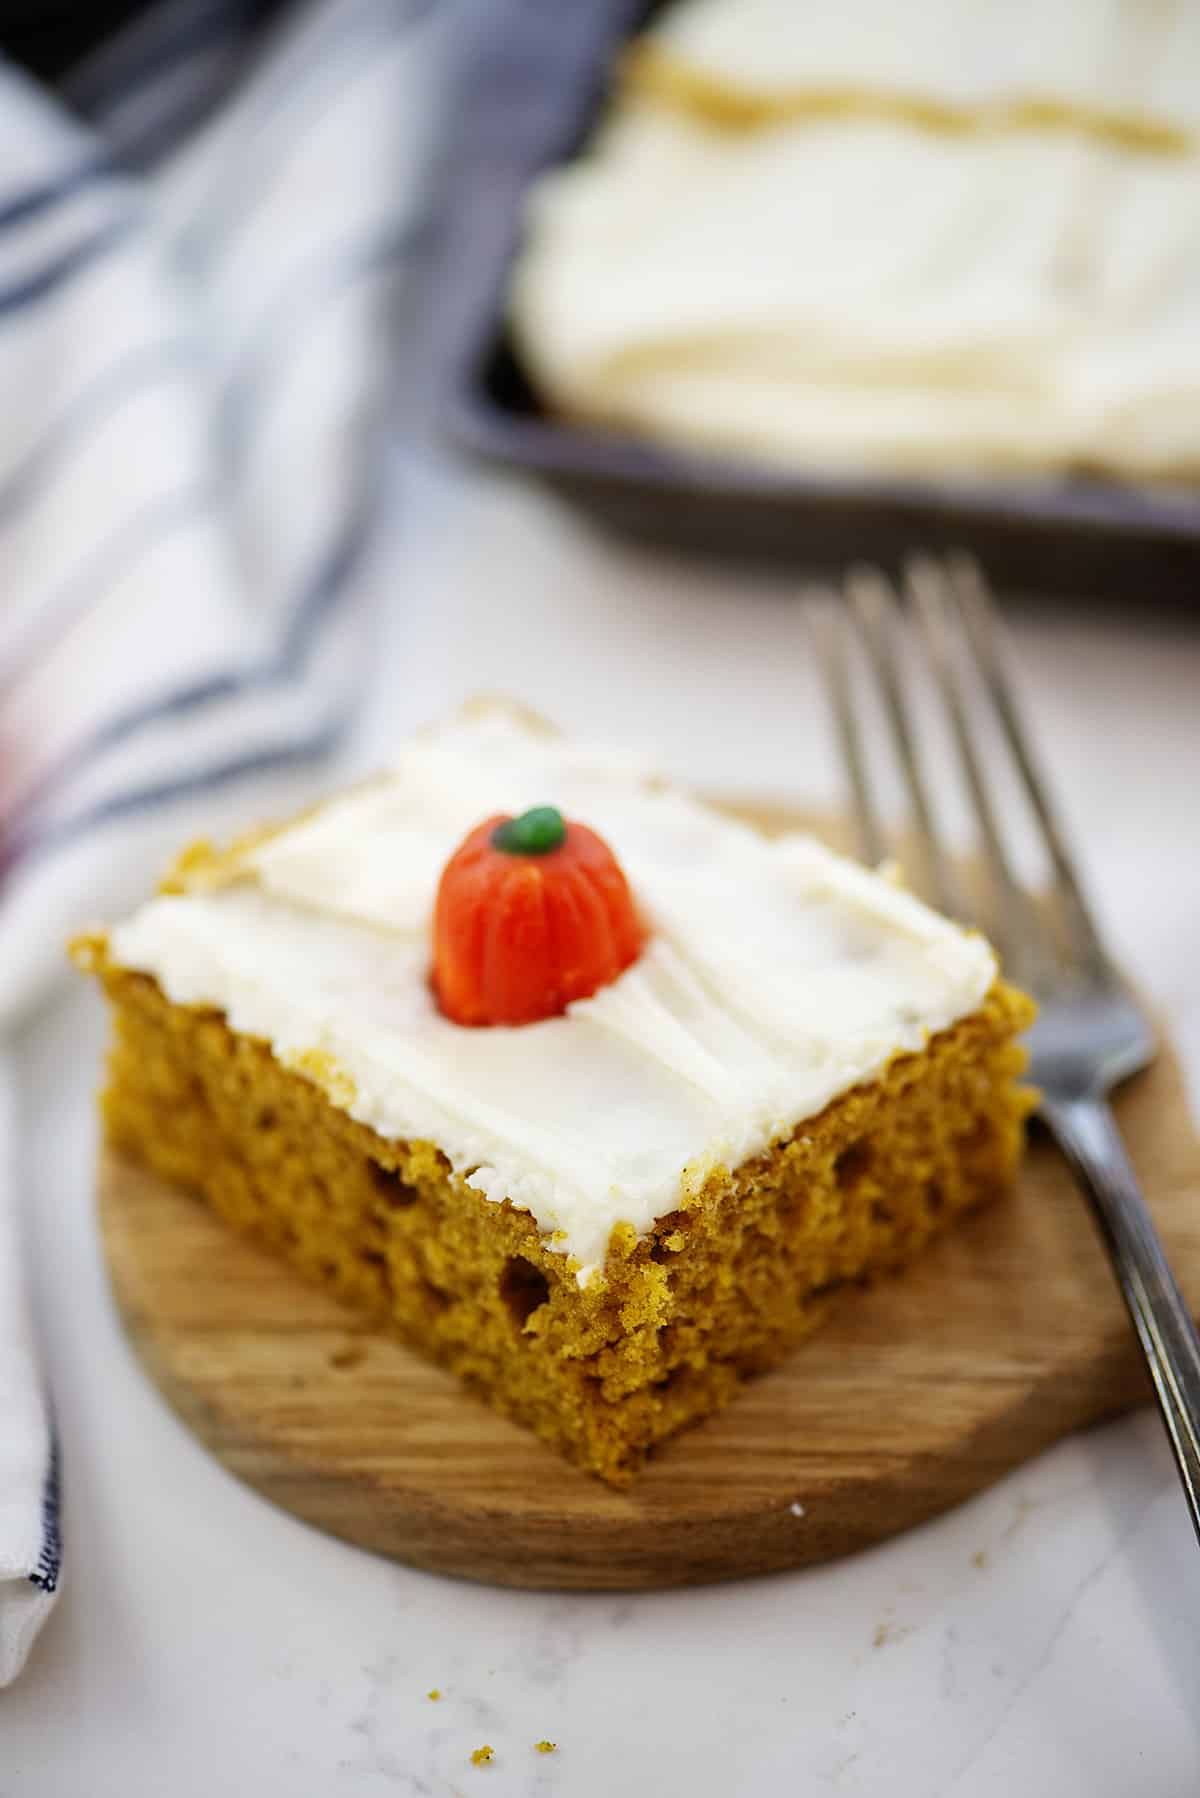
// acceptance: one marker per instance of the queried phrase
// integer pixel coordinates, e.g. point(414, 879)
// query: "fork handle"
point(1087, 1133)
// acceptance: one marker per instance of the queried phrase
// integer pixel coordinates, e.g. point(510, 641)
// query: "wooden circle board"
point(1007, 1334)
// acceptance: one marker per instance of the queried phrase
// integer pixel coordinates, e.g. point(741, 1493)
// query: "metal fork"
point(1090, 1033)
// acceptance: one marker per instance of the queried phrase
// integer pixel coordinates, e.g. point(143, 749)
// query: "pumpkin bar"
point(589, 1092)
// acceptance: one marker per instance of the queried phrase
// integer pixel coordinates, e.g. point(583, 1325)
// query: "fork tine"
point(875, 607)
point(978, 617)
point(1015, 924)
point(827, 623)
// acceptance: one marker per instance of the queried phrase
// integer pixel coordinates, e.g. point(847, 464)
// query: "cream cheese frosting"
point(775, 977)
point(859, 292)
point(1104, 57)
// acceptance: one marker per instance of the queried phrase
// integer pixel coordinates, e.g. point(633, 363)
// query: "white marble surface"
point(1044, 1639)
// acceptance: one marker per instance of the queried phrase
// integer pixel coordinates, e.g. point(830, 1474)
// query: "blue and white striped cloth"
point(200, 235)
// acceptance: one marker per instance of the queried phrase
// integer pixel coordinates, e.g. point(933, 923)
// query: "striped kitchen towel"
point(202, 231)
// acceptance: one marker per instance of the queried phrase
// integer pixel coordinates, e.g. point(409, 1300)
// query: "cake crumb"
point(86, 950)
point(481, 1756)
point(323, 1070)
point(545, 1747)
point(351, 1354)
point(434, 1695)
point(979, 1558)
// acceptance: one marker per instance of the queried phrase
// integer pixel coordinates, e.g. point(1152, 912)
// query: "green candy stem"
point(535, 832)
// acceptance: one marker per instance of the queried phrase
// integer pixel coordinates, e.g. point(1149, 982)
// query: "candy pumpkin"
point(531, 913)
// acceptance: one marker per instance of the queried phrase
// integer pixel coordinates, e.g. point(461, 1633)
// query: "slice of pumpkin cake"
point(589, 1092)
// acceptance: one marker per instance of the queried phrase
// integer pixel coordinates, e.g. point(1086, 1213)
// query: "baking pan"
point(533, 83)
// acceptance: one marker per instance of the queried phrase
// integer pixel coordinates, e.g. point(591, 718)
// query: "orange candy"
point(531, 913)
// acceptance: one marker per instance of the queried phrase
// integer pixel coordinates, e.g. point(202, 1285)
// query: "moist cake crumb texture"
point(718, 1286)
